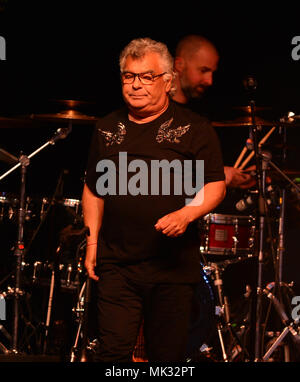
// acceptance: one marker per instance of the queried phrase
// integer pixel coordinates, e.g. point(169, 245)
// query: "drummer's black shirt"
point(128, 239)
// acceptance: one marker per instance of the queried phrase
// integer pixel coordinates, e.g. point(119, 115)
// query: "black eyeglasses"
point(145, 78)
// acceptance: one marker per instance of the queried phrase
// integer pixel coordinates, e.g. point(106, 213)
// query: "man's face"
point(196, 71)
point(146, 99)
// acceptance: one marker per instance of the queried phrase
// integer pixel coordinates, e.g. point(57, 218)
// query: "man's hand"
point(237, 178)
point(175, 223)
point(92, 208)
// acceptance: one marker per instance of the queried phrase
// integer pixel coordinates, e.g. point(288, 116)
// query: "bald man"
point(196, 60)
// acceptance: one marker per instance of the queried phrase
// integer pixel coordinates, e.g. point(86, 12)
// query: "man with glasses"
point(143, 248)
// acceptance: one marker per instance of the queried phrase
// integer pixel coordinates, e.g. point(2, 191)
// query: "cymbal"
point(245, 121)
point(72, 103)
point(247, 109)
point(241, 116)
point(68, 115)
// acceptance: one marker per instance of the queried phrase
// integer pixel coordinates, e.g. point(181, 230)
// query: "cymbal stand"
point(19, 250)
point(281, 243)
point(261, 167)
point(282, 203)
point(291, 326)
point(218, 282)
point(82, 313)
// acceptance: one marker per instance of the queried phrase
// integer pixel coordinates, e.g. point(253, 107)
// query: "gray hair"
point(137, 48)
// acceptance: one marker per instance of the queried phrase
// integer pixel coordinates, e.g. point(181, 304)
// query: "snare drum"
point(227, 235)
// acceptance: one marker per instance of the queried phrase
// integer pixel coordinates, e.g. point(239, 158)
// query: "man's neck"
point(137, 117)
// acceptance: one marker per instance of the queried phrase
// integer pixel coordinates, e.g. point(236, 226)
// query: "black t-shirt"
point(128, 238)
point(232, 139)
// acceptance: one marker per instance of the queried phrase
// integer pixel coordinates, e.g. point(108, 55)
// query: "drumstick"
point(238, 161)
point(263, 140)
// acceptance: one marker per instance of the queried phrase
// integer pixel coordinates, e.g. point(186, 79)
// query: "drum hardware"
point(7, 209)
point(45, 202)
point(82, 311)
point(290, 326)
point(79, 310)
point(83, 347)
point(56, 269)
point(47, 209)
point(263, 162)
point(262, 210)
point(19, 251)
point(228, 239)
point(222, 313)
point(49, 309)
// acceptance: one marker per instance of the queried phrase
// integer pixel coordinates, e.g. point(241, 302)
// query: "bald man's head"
point(190, 44)
point(196, 59)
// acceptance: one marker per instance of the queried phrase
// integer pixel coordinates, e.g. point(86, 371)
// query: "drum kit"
point(236, 249)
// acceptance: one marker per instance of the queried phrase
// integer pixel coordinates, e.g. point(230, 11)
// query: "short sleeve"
point(207, 147)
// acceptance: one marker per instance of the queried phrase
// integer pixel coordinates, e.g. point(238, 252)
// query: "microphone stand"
point(61, 133)
point(19, 251)
point(260, 177)
point(24, 161)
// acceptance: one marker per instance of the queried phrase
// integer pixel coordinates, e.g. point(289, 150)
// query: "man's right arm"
point(92, 207)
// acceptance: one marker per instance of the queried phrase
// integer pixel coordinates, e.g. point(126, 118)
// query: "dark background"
point(69, 51)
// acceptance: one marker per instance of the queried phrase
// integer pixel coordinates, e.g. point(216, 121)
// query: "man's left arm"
point(208, 198)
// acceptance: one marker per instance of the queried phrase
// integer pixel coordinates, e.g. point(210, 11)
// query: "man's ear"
point(179, 64)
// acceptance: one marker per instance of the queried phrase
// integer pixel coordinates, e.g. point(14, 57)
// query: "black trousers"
point(122, 304)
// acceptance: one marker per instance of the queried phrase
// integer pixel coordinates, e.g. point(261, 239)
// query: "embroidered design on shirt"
point(111, 137)
point(166, 134)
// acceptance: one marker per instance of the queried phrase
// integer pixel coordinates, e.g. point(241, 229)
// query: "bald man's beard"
point(192, 92)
